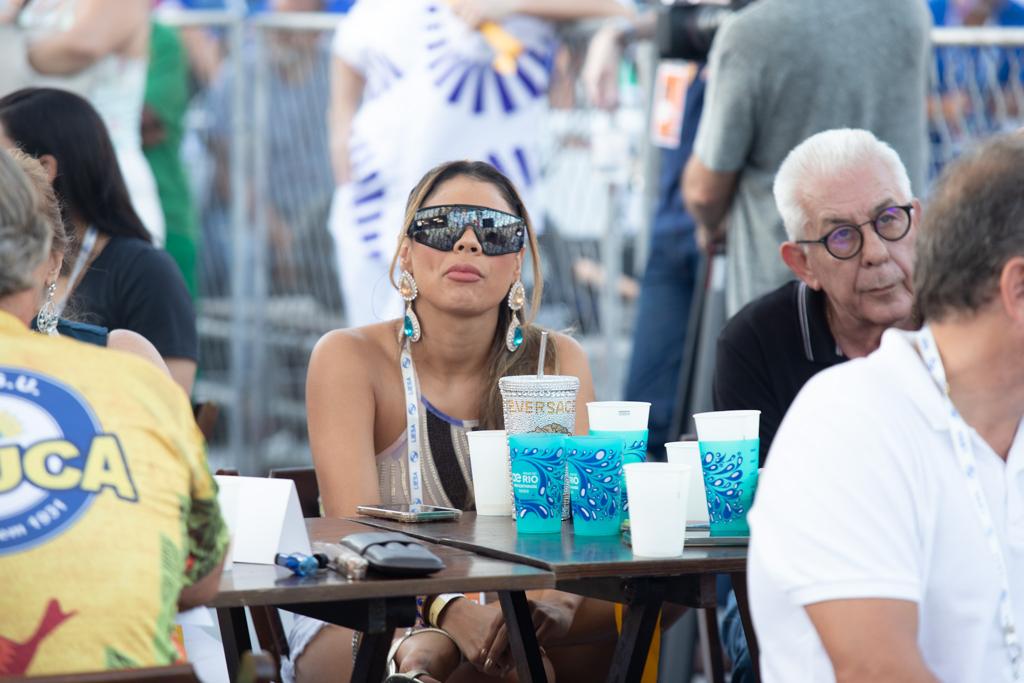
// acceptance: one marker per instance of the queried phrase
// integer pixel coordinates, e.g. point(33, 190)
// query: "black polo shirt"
point(769, 350)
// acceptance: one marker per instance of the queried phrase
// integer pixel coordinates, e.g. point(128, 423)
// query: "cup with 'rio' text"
point(538, 481)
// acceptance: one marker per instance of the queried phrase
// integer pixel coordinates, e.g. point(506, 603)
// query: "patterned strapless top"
point(445, 465)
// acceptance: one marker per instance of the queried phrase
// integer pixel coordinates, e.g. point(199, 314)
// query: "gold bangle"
point(438, 606)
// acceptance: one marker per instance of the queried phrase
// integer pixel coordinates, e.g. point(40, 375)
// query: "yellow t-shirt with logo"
point(107, 508)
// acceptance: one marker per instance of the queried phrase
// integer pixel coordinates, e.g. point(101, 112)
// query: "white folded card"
point(264, 518)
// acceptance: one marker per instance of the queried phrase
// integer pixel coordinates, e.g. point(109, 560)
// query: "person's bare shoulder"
point(572, 358)
point(358, 351)
point(569, 350)
point(135, 343)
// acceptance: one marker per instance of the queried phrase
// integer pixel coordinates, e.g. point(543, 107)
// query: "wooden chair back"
point(258, 668)
point(255, 668)
point(266, 621)
point(305, 484)
point(206, 417)
point(179, 673)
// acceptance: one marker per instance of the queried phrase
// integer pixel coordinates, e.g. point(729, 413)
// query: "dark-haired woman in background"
point(49, 210)
point(118, 279)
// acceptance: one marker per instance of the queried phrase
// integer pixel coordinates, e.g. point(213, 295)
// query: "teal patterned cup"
point(538, 481)
point(730, 480)
point(628, 421)
point(634, 449)
point(595, 484)
point(729, 449)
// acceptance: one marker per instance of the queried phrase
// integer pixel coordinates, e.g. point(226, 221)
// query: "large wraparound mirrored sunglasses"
point(441, 227)
point(845, 241)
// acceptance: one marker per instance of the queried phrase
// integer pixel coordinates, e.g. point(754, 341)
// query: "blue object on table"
point(300, 564)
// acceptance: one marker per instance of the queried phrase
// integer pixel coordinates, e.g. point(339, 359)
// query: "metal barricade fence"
point(977, 88)
point(257, 152)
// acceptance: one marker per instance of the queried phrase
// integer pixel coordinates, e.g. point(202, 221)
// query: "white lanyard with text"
point(412, 428)
point(84, 254)
point(962, 446)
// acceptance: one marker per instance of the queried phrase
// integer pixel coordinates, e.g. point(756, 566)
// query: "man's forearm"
point(567, 10)
point(906, 672)
point(708, 194)
point(58, 57)
point(871, 639)
point(711, 215)
point(100, 28)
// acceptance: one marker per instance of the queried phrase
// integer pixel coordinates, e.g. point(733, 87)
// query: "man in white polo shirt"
point(888, 531)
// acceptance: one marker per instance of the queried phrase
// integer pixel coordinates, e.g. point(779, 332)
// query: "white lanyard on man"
point(964, 449)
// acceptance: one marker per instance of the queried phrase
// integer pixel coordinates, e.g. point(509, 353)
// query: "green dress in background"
point(167, 99)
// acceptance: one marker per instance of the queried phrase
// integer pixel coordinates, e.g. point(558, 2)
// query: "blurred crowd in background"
point(237, 131)
point(267, 150)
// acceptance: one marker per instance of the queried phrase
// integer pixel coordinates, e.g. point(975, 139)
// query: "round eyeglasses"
point(845, 241)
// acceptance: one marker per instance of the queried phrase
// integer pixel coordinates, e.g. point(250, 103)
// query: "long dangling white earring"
point(516, 301)
point(46, 320)
point(411, 325)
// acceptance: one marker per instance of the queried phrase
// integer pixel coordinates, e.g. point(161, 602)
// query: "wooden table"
point(603, 568)
point(375, 605)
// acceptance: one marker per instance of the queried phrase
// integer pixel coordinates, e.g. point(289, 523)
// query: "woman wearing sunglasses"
point(459, 258)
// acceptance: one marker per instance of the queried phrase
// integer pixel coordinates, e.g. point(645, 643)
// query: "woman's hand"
point(474, 627)
point(551, 622)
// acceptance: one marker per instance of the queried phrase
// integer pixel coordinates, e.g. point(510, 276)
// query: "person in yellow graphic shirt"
point(109, 521)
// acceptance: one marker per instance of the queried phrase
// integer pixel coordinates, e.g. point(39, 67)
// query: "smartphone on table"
point(410, 513)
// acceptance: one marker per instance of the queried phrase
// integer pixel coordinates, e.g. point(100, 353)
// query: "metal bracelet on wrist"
point(357, 639)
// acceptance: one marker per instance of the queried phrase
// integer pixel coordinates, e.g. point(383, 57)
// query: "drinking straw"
point(543, 350)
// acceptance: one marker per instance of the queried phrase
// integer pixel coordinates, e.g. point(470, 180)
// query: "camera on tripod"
point(686, 28)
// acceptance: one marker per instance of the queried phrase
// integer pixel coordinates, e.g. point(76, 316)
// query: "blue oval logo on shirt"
point(54, 459)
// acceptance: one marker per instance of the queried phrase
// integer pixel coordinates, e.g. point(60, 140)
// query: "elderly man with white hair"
point(888, 530)
point(850, 217)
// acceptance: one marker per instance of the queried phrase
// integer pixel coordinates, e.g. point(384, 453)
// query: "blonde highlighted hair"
point(25, 233)
point(501, 362)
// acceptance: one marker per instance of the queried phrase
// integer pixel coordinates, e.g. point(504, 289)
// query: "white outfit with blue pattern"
point(431, 95)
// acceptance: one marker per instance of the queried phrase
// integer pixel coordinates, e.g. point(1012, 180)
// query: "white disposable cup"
point(728, 425)
point(657, 507)
point(688, 453)
point(618, 416)
point(489, 463)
